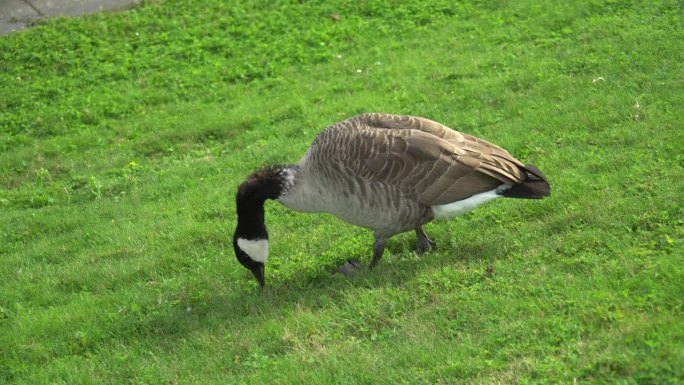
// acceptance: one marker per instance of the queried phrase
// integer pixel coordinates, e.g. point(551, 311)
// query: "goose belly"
point(385, 219)
point(374, 206)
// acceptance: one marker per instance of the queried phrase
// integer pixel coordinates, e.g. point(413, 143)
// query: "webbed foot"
point(349, 268)
point(424, 243)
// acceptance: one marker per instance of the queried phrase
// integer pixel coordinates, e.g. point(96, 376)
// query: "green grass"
point(123, 138)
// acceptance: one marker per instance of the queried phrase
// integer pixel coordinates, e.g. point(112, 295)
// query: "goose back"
point(384, 172)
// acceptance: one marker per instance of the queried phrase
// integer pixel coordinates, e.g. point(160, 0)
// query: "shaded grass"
point(121, 154)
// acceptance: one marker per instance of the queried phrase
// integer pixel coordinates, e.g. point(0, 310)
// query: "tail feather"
point(535, 185)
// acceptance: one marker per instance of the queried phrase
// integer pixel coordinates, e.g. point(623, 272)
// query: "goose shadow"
point(241, 306)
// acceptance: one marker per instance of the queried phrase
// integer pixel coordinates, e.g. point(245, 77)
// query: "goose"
point(388, 173)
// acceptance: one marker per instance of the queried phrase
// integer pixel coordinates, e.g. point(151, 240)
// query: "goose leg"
point(424, 243)
point(378, 249)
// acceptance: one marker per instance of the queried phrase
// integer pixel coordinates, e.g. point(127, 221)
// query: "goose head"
point(252, 254)
point(250, 239)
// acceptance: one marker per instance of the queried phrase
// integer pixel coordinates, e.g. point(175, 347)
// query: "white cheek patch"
point(257, 249)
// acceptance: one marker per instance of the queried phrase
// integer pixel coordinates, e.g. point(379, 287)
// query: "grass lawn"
point(123, 138)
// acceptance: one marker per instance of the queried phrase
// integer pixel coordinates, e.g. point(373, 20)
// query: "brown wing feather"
point(432, 161)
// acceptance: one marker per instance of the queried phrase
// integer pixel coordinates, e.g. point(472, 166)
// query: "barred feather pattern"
point(385, 172)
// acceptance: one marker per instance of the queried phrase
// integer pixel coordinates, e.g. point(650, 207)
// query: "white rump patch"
point(461, 207)
point(257, 249)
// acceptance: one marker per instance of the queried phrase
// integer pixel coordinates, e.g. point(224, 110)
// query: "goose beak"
point(258, 272)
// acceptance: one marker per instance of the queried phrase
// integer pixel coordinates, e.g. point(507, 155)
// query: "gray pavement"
point(16, 15)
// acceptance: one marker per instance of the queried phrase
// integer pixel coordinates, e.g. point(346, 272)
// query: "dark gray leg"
point(378, 249)
point(424, 243)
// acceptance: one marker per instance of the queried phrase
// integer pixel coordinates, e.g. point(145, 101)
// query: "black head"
point(250, 240)
point(256, 267)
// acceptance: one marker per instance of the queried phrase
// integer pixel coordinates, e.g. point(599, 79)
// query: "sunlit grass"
point(124, 136)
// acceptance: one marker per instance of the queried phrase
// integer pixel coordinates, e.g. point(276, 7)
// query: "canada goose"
point(388, 173)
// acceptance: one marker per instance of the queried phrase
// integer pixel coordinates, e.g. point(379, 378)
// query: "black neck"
point(250, 224)
point(267, 183)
